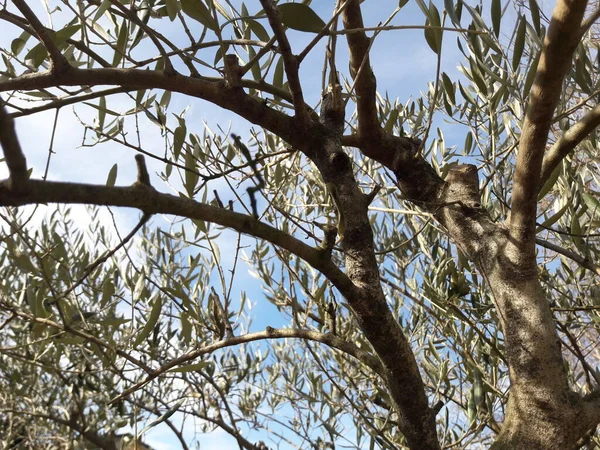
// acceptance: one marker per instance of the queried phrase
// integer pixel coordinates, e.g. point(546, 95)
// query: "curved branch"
point(269, 333)
point(216, 92)
point(567, 143)
point(151, 201)
point(561, 40)
point(583, 262)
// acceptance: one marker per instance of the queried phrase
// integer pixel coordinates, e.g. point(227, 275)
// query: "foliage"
point(158, 327)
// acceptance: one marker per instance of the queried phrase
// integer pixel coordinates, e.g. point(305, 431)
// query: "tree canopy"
point(309, 261)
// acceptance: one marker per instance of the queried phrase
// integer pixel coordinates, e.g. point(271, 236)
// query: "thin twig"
point(325, 31)
point(65, 101)
point(93, 266)
point(436, 91)
point(262, 52)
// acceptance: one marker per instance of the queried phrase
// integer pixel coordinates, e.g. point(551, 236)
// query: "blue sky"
point(402, 61)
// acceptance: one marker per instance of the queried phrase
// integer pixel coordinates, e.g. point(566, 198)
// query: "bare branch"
point(587, 23)
point(561, 40)
point(216, 92)
point(59, 62)
point(151, 201)
point(290, 61)
point(365, 83)
point(583, 262)
point(143, 177)
point(15, 159)
point(269, 333)
point(567, 143)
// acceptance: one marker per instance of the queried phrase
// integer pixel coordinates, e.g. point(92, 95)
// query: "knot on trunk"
point(462, 186)
point(333, 109)
point(233, 71)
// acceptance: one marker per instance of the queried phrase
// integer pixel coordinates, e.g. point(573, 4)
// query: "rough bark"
point(416, 419)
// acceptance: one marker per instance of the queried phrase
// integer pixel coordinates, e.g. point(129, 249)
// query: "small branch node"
point(333, 107)
point(371, 195)
point(462, 186)
point(143, 177)
point(233, 71)
point(329, 235)
point(218, 199)
point(331, 313)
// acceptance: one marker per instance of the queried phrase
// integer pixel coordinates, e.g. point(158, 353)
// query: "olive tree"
point(426, 292)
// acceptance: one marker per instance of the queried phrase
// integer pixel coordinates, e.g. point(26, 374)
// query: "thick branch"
point(567, 143)
point(587, 23)
point(235, 100)
point(152, 202)
point(561, 40)
point(369, 304)
point(13, 154)
point(360, 66)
